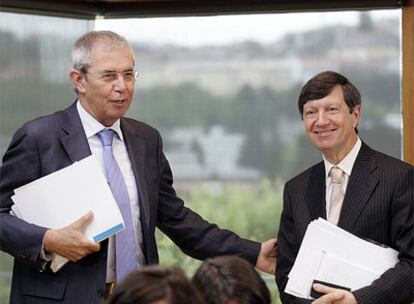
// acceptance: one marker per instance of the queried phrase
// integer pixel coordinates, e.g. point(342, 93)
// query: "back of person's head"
point(230, 279)
point(322, 84)
point(156, 284)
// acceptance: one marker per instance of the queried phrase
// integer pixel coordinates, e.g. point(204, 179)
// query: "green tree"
point(251, 212)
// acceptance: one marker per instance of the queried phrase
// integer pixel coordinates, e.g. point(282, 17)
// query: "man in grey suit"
point(372, 196)
point(103, 75)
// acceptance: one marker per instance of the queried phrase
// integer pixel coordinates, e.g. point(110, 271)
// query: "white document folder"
point(344, 273)
point(60, 198)
point(331, 254)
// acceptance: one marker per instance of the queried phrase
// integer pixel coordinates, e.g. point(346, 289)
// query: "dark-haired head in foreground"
point(230, 280)
point(156, 285)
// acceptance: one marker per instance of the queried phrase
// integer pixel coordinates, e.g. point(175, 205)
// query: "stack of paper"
point(331, 254)
point(58, 199)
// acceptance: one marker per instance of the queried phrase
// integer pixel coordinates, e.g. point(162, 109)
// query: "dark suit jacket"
point(50, 143)
point(378, 205)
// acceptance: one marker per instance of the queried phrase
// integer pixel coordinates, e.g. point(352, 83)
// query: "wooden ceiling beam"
point(61, 8)
point(194, 7)
point(408, 80)
point(90, 9)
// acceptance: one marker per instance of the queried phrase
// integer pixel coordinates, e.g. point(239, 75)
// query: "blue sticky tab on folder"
point(110, 231)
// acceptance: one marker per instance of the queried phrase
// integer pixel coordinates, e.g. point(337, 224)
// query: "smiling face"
point(107, 101)
point(330, 126)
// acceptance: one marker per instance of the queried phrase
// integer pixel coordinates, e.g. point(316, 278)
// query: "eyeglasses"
point(110, 77)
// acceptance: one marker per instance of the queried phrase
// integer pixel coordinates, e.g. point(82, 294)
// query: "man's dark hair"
point(226, 278)
point(322, 84)
point(155, 283)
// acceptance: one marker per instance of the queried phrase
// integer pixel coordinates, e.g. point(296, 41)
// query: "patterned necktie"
point(337, 195)
point(125, 240)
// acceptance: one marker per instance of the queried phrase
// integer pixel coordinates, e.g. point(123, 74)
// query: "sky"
point(216, 30)
point(192, 31)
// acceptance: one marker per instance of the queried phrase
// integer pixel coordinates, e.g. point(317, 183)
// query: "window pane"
point(34, 65)
point(223, 92)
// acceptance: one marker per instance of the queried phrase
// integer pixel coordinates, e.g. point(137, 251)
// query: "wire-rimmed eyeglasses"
point(110, 76)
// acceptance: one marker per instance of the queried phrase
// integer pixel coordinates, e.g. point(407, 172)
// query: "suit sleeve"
point(195, 236)
point(397, 284)
point(287, 249)
point(20, 166)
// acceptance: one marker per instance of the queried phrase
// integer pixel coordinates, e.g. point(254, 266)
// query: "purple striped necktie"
point(125, 240)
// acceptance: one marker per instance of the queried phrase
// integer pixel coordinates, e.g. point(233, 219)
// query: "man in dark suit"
point(372, 197)
point(103, 75)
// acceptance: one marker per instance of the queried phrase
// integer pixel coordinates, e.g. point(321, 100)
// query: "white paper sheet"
point(327, 243)
point(58, 199)
point(344, 273)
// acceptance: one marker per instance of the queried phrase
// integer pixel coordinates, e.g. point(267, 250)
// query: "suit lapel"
point(362, 183)
point(136, 150)
point(316, 192)
point(73, 137)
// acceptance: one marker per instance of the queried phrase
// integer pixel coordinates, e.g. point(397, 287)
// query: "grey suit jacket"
point(378, 205)
point(53, 142)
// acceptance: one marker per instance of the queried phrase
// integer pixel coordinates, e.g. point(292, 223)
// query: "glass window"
point(223, 92)
point(34, 65)
point(34, 81)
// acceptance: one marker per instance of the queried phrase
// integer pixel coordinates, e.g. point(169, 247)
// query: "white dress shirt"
point(92, 127)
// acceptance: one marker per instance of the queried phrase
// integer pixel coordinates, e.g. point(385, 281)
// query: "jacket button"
point(101, 292)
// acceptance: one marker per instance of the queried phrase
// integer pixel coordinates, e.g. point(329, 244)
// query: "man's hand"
point(333, 295)
point(70, 241)
point(266, 261)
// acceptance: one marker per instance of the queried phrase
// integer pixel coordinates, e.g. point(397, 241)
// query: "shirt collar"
point(347, 163)
point(92, 126)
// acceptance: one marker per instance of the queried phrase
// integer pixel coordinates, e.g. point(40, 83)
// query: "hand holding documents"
point(58, 199)
point(333, 255)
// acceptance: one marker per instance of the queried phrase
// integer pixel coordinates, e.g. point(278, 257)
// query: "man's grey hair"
point(82, 48)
